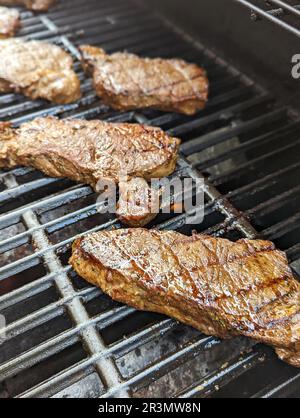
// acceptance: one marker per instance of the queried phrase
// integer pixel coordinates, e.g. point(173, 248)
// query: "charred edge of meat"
point(121, 290)
point(51, 78)
point(219, 287)
point(187, 102)
point(74, 155)
point(9, 29)
point(41, 5)
point(138, 203)
point(34, 5)
point(90, 55)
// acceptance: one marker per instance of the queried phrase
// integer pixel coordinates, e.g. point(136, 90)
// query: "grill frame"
point(85, 326)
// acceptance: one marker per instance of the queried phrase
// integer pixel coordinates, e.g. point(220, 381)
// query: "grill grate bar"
point(50, 226)
point(257, 11)
point(283, 390)
point(294, 252)
point(58, 199)
point(58, 380)
point(284, 5)
point(50, 311)
point(57, 344)
point(216, 179)
point(264, 181)
point(108, 372)
point(158, 368)
point(231, 111)
point(263, 139)
point(18, 265)
point(281, 227)
point(215, 382)
point(14, 297)
point(216, 137)
point(275, 202)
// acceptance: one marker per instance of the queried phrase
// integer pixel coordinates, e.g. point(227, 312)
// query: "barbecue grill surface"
point(65, 338)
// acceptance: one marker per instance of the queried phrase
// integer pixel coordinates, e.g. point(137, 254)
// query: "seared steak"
point(87, 151)
point(125, 81)
point(138, 204)
point(220, 287)
point(9, 22)
point(36, 5)
point(38, 70)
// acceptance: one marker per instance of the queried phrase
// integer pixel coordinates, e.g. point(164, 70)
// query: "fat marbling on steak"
point(220, 287)
point(9, 22)
point(125, 81)
point(38, 70)
point(89, 151)
point(35, 5)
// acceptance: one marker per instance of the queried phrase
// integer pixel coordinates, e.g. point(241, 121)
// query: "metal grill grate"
point(65, 338)
point(285, 14)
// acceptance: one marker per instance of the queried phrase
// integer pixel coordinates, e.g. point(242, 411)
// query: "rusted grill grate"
point(66, 338)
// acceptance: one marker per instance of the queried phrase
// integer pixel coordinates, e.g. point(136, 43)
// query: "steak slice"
point(125, 81)
point(220, 287)
point(38, 70)
point(35, 5)
point(138, 204)
point(89, 151)
point(9, 22)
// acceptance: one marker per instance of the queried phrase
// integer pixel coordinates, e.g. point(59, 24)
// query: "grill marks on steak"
point(35, 5)
point(220, 287)
point(125, 81)
point(9, 22)
point(88, 151)
point(38, 70)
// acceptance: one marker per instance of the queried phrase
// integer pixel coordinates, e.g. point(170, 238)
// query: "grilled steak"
point(87, 151)
point(220, 287)
point(9, 22)
point(125, 81)
point(138, 204)
point(36, 5)
point(38, 70)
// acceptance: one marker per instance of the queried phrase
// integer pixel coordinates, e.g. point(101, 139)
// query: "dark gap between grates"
point(36, 374)
point(83, 223)
point(61, 209)
point(29, 192)
point(201, 364)
point(32, 304)
point(99, 304)
point(34, 271)
point(132, 323)
point(31, 338)
point(260, 376)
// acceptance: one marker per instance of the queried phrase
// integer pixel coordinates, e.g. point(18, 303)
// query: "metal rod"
point(292, 9)
point(270, 17)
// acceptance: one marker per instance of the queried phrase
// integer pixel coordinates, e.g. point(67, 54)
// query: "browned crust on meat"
point(120, 289)
point(34, 5)
point(218, 287)
point(38, 70)
point(125, 81)
point(89, 151)
point(9, 23)
point(138, 203)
